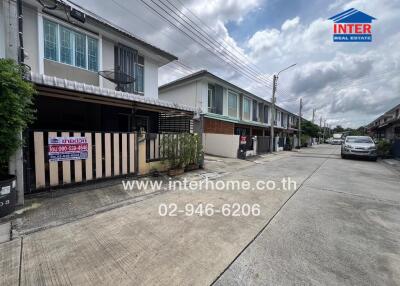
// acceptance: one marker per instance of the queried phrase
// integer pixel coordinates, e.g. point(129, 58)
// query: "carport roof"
point(104, 93)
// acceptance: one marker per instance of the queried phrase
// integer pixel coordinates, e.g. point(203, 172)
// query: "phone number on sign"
point(234, 209)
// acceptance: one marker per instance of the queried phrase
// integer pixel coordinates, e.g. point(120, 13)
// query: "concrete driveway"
point(341, 226)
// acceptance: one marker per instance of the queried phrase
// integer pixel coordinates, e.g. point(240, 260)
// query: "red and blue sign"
point(352, 26)
point(68, 148)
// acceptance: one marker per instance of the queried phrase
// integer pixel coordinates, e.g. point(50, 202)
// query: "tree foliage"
point(310, 129)
point(16, 109)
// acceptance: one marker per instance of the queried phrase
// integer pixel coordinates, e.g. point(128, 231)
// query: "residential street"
point(340, 227)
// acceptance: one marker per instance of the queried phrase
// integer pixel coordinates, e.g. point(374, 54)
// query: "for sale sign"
point(67, 148)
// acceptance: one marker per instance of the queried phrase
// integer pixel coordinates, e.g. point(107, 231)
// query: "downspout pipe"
point(21, 54)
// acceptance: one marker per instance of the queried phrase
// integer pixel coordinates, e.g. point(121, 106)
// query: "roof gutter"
point(21, 51)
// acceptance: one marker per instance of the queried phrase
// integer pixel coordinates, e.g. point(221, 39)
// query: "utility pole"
point(301, 106)
point(274, 83)
point(324, 128)
point(274, 87)
point(313, 115)
point(320, 129)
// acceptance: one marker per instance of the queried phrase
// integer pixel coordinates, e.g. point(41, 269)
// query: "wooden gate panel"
point(107, 151)
point(88, 161)
point(66, 165)
point(117, 157)
point(99, 157)
point(53, 167)
point(39, 160)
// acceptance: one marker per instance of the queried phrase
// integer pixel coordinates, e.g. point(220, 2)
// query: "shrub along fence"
point(179, 150)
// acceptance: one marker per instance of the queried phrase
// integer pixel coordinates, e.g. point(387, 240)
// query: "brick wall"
point(218, 126)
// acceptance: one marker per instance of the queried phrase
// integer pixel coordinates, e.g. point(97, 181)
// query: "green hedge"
point(16, 109)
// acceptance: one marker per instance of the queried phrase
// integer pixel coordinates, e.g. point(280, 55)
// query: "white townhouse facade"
point(58, 45)
point(386, 126)
point(93, 80)
point(227, 108)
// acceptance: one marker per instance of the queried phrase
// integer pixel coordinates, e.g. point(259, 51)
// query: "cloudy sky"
point(347, 83)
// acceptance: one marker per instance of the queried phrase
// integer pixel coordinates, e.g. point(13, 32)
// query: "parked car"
point(359, 146)
point(337, 139)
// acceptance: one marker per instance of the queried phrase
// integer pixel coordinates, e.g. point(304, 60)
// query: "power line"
point(238, 52)
point(233, 65)
point(151, 24)
point(204, 38)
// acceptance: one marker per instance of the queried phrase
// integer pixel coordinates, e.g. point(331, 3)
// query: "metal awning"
point(62, 88)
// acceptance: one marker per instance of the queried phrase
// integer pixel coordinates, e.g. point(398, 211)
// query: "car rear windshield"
point(359, 140)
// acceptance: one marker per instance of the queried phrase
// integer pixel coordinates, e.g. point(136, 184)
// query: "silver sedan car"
point(359, 146)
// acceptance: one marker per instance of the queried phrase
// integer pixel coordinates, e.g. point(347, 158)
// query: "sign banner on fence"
point(68, 148)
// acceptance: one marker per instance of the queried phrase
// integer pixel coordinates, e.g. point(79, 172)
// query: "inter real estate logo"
point(352, 26)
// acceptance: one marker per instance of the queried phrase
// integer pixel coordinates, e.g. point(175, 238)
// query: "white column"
point(2, 31)
point(40, 43)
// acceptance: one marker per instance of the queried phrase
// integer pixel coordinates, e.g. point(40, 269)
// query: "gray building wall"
point(70, 72)
point(31, 44)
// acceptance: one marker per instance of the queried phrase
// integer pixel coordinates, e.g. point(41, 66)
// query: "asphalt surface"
point(342, 227)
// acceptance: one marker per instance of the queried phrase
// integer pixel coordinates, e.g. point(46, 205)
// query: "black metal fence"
point(263, 144)
point(396, 148)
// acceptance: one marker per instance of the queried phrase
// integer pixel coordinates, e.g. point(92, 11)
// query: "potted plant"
point(16, 112)
point(304, 140)
point(288, 145)
point(384, 149)
point(173, 153)
point(194, 152)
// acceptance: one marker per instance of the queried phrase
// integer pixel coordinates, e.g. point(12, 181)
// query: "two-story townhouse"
point(96, 82)
point(386, 126)
point(227, 108)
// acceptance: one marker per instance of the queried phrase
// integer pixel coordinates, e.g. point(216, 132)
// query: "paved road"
point(342, 227)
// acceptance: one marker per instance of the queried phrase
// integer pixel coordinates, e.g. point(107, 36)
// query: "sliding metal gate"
point(263, 144)
point(110, 155)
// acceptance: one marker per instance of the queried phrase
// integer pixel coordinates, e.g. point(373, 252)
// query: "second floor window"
point(277, 117)
point(70, 47)
point(246, 108)
point(266, 114)
point(140, 74)
point(211, 99)
point(50, 40)
point(128, 61)
point(255, 118)
point(232, 104)
point(93, 55)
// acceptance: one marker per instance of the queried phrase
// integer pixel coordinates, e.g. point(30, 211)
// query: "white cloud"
point(325, 72)
point(292, 23)
point(352, 81)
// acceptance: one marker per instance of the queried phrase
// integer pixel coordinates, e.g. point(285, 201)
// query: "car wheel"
point(343, 156)
point(374, 159)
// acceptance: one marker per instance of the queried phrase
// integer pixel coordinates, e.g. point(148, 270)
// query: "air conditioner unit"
point(78, 15)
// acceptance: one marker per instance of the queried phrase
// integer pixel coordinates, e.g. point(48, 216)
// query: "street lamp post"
point(274, 87)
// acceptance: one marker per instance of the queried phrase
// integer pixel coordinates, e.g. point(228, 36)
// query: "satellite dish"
point(117, 77)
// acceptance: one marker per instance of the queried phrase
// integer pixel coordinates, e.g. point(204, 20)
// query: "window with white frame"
point(232, 104)
point(50, 40)
point(140, 74)
point(277, 117)
point(266, 114)
point(246, 108)
point(211, 98)
point(93, 54)
point(68, 46)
